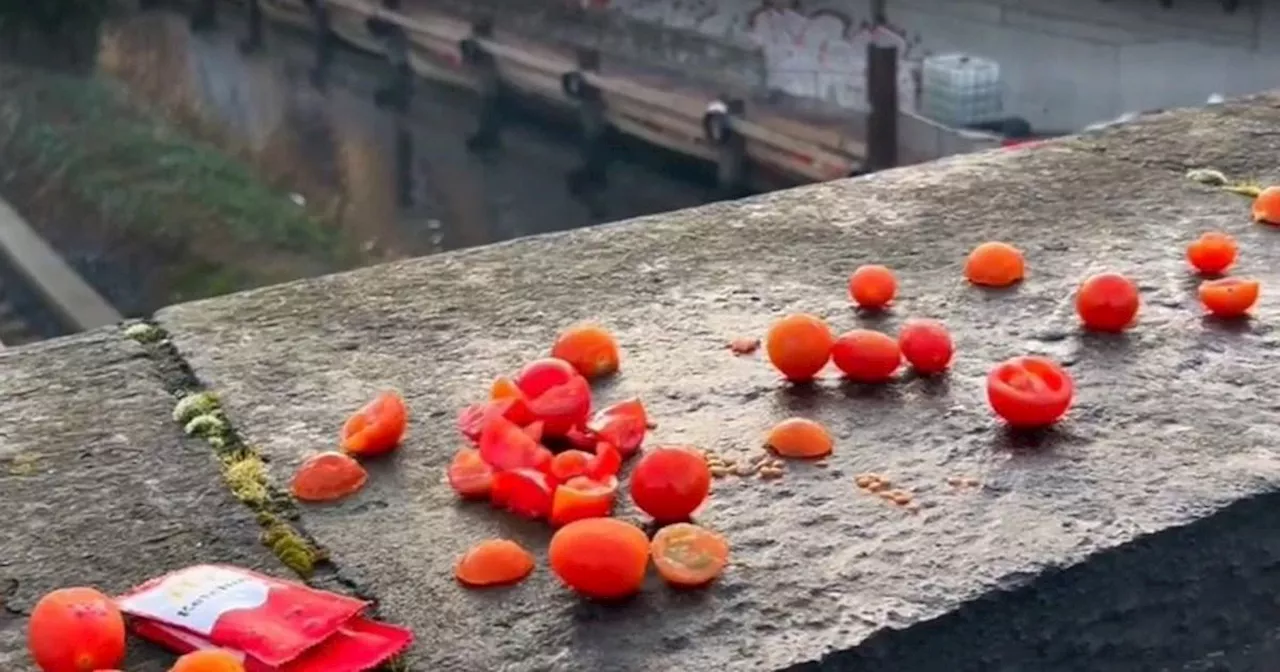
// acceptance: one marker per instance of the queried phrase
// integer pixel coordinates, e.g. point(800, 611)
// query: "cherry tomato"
point(208, 660)
point(799, 438)
point(1229, 297)
point(469, 474)
point(376, 429)
point(590, 348)
point(556, 394)
point(327, 477)
point(76, 630)
point(799, 346)
point(872, 287)
point(583, 497)
point(494, 562)
point(571, 463)
point(524, 492)
point(623, 425)
point(866, 356)
point(927, 345)
point(505, 446)
point(1212, 253)
point(1030, 391)
point(1107, 302)
point(688, 556)
point(670, 483)
point(600, 558)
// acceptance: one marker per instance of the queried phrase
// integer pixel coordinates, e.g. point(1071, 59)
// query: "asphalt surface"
point(1138, 535)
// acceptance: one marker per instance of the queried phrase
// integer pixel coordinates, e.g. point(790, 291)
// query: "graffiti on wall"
point(813, 50)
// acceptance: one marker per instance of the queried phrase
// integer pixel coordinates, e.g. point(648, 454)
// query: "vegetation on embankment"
point(90, 167)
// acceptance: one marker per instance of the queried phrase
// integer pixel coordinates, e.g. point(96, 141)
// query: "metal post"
point(253, 41)
point(882, 96)
point(398, 89)
point(489, 128)
point(324, 42)
point(730, 145)
point(592, 123)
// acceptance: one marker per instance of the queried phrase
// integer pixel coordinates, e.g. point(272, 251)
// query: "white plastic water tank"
point(960, 90)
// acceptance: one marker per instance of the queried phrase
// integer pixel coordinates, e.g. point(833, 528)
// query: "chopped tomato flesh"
point(495, 562)
point(570, 464)
point(376, 429)
point(469, 474)
point(623, 425)
point(503, 445)
point(534, 430)
point(606, 462)
point(583, 497)
point(563, 407)
point(524, 492)
point(687, 555)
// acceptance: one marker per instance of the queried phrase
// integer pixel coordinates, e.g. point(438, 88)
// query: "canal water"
point(406, 185)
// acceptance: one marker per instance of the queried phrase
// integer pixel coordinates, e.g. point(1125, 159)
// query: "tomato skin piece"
point(582, 497)
point(926, 345)
point(505, 390)
point(623, 425)
point(469, 475)
point(866, 356)
point(1229, 298)
point(327, 477)
point(377, 428)
point(76, 630)
point(571, 464)
point(524, 492)
point(670, 483)
point(1107, 302)
point(689, 556)
point(600, 558)
point(1030, 392)
point(505, 446)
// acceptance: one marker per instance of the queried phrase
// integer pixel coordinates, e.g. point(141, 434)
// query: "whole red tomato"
point(670, 483)
point(927, 345)
point(1107, 302)
point(1029, 392)
point(76, 630)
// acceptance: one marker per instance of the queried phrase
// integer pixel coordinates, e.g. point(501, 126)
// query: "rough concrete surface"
point(98, 486)
point(1138, 535)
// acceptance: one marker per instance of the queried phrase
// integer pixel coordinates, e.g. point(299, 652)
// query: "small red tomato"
point(556, 394)
point(524, 492)
point(1107, 302)
point(76, 630)
point(866, 356)
point(469, 474)
point(872, 286)
point(583, 497)
point(670, 483)
point(1212, 253)
point(927, 345)
point(570, 464)
point(1029, 392)
point(623, 424)
point(376, 429)
point(504, 446)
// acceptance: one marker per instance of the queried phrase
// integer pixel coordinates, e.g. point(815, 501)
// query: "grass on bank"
point(83, 136)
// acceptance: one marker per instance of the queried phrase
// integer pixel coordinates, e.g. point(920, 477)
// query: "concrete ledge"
point(1140, 535)
point(99, 487)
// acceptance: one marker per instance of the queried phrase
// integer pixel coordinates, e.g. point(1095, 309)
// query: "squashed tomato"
point(469, 474)
point(524, 492)
point(688, 556)
point(1030, 391)
point(670, 483)
point(505, 446)
point(376, 429)
point(556, 394)
point(494, 562)
point(623, 424)
point(76, 630)
point(583, 497)
point(327, 477)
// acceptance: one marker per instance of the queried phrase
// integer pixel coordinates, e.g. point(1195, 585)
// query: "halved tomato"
point(503, 445)
point(469, 474)
point(375, 429)
point(570, 464)
point(524, 492)
point(1030, 391)
point(504, 389)
point(623, 424)
point(688, 556)
point(583, 497)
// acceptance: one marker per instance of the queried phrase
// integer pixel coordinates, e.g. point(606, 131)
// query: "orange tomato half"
point(1229, 297)
point(689, 556)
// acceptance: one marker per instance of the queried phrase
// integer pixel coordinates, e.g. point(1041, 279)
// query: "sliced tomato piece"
point(623, 424)
point(570, 464)
point(540, 375)
point(581, 437)
point(471, 420)
point(688, 556)
point(327, 477)
point(504, 445)
point(1030, 391)
point(534, 430)
point(606, 463)
point(469, 474)
point(524, 492)
point(563, 407)
point(583, 497)
point(504, 389)
point(376, 429)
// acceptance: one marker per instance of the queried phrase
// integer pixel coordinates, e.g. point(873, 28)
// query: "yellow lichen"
point(192, 405)
point(290, 547)
point(23, 464)
point(1209, 176)
point(143, 332)
point(206, 425)
point(246, 475)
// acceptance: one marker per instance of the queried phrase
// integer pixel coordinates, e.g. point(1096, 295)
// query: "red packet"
point(279, 626)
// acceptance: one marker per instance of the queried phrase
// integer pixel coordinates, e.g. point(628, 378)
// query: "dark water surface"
point(403, 185)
